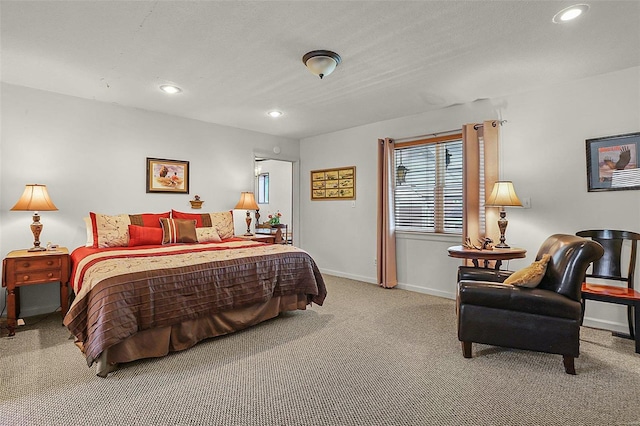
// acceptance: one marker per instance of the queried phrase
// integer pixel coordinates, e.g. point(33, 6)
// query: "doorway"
point(274, 191)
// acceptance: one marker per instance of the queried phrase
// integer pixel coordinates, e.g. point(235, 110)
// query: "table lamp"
point(35, 198)
point(503, 195)
point(247, 202)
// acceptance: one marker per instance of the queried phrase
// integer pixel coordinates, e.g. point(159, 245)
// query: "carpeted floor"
point(368, 357)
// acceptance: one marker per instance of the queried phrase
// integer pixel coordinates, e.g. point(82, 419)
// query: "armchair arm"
point(469, 273)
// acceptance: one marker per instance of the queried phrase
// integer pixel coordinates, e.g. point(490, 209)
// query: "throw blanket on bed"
point(121, 291)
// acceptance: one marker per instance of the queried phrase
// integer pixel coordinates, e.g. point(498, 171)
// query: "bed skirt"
point(159, 342)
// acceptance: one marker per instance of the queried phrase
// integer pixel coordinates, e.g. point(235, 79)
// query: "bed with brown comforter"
point(140, 302)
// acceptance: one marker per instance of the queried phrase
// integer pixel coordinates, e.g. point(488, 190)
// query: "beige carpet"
point(368, 357)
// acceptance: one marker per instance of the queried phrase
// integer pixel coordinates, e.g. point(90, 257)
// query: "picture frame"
point(333, 184)
point(613, 163)
point(167, 176)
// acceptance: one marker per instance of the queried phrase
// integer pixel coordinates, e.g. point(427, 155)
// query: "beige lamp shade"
point(247, 202)
point(35, 198)
point(503, 195)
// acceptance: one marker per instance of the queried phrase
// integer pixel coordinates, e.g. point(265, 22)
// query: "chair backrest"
point(281, 236)
point(570, 258)
point(609, 266)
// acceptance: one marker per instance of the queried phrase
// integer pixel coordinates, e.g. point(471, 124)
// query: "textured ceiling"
point(237, 60)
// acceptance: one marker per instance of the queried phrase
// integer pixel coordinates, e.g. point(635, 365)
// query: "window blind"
point(428, 197)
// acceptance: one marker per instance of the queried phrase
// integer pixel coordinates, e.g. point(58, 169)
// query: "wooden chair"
point(609, 267)
point(281, 238)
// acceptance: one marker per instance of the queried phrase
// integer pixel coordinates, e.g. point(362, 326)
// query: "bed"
point(146, 300)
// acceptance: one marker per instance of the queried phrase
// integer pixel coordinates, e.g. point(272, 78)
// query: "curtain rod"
point(428, 134)
point(494, 123)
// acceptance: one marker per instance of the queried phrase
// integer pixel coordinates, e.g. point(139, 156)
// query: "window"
point(429, 186)
point(263, 188)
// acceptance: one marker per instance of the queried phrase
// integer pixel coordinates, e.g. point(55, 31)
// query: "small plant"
point(274, 219)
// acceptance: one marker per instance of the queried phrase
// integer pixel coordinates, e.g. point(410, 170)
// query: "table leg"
point(64, 298)
point(498, 264)
point(475, 263)
point(11, 310)
point(636, 314)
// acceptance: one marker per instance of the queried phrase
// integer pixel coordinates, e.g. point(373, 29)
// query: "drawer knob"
point(50, 274)
point(25, 264)
point(25, 278)
point(50, 262)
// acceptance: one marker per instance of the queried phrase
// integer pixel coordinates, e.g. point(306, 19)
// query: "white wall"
point(542, 151)
point(92, 156)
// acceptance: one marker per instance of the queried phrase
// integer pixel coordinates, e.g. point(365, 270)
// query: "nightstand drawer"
point(29, 265)
point(38, 276)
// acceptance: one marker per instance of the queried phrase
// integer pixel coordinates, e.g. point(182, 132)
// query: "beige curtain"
point(386, 251)
point(480, 150)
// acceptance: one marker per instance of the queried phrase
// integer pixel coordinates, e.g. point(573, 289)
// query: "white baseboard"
point(429, 291)
point(37, 310)
point(605, 325)
point(409, 287)
point(369, 280)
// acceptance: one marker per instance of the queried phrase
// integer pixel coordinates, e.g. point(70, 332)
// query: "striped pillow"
point(178, 231)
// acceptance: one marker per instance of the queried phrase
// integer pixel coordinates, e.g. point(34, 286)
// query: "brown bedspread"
point(121, 292)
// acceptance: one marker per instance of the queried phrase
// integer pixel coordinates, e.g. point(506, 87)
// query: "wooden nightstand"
point(263, 238)
point(22, 268)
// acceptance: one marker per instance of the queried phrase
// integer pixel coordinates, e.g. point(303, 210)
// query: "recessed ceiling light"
point(170, 89)
point(570, 13)
point(274, 114)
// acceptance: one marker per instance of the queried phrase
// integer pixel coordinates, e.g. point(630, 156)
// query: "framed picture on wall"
point(612, 163)
point(334, 184)
point(167, 176)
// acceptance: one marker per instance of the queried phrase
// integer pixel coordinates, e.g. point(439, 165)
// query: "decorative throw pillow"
point(223, 222)
point(202, 219)
point(178, 231)
point(208, 235)
point(144, 235)
point(531, 275)
point(110, 231)
point(89, 226)
point(148, 219)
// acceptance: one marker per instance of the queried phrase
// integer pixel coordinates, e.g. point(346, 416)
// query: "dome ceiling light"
point(321, 62)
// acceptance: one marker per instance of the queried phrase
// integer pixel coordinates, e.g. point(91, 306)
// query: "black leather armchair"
point(545, 319)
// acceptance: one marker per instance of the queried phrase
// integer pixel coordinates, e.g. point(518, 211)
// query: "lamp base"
point(502, 225)
point(37, 249)
point(248, 220)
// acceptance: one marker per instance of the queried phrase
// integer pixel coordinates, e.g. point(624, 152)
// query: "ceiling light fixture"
point(321, 62)
point(170, 89)
point(274, 114)
point(570, 13)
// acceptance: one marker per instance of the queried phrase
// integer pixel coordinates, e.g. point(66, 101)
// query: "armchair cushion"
point(471, 273)
point(526, 300)
point(531, 275)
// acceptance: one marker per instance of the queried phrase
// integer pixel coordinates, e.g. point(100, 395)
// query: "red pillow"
point(189, 216)
point(144, 235)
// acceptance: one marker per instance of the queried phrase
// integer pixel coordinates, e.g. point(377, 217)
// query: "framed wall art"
point(612, 163)
point(334, 184)
point(167, 176)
